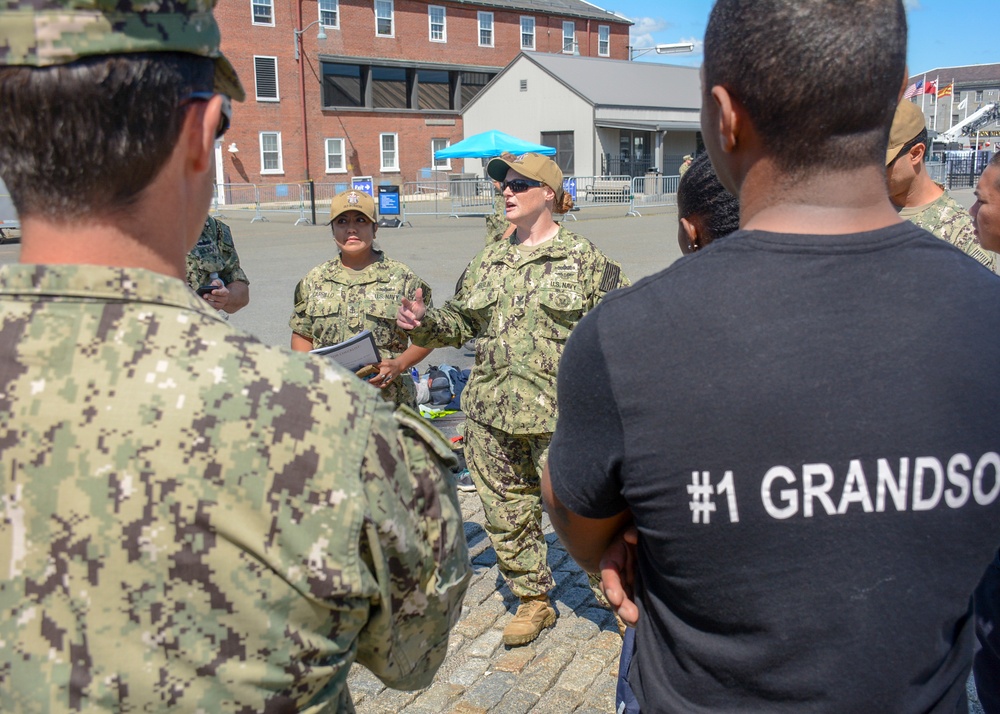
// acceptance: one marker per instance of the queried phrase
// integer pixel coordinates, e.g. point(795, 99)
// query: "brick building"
point(373, 87)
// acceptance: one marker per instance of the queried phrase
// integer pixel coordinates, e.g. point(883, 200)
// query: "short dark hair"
point(700, 192)
point(819, 79)
point(995, 160)
point(86, 138)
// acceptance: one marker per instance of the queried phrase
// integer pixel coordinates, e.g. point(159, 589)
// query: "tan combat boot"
point(533, 615)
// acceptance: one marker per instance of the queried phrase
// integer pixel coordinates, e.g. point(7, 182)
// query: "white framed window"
point(436, 20)
point(383, 18)
point(604, 40)
point(335, 162)
point(527, 33)
point(569, 37)
point(440, 164)
point(486, 29)
point(265, 76)
point(329, 13)
point(263, 12)
point(387, 150)
point(270, 152)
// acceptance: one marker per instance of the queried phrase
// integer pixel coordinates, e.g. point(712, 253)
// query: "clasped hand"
point(618, 575)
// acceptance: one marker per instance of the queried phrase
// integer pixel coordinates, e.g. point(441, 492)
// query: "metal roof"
point(988, 74)
point(619, 83)
point(569, 8)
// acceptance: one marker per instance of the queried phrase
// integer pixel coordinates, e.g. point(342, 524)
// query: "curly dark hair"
point(700, 192)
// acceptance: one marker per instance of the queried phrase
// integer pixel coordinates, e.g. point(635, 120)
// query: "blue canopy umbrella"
point(491, 143)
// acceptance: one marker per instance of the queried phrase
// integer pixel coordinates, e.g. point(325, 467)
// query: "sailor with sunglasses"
point(519, 298)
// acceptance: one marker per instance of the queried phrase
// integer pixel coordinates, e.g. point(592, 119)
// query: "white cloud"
point(641, 33)
point(699, 45)
point(911, 4)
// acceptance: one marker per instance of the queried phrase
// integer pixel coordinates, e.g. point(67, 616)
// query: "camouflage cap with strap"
point(42, 33)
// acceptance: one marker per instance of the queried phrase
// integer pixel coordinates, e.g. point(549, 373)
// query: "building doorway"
point(635, 154)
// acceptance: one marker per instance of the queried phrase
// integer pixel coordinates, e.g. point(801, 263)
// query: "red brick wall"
point(356, 38)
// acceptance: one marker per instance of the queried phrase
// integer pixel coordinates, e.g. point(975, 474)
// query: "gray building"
point(973, 87)
point(604, 117)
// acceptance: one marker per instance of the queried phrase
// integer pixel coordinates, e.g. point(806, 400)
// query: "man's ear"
point(690, 230)
point(201, 120)
point(730, 122)
point(693, 228)
point(917, 152)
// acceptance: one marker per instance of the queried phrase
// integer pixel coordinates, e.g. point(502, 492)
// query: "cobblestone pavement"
point(571, 667)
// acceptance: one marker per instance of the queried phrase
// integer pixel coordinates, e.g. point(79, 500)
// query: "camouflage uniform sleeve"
point(959, 230)
point(300, 322)
point(450, 325)
point(232, 272)
point(414, 544)
point(606, 276)
point(415, 283)
point(496, 222)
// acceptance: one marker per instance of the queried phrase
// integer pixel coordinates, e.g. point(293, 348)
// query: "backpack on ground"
point(449, 383)
point(439, 386)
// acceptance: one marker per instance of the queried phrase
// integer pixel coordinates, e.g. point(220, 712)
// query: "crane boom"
point(979, 118)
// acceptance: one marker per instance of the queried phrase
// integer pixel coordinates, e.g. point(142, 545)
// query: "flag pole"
point(951, 111)
point(936, 103)
point(923, 93)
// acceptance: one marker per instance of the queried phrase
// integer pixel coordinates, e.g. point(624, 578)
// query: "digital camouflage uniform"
point(948, 220)
point(334, 303)
point(214, 252)
point(520, 308)
point(195, 521)
point(496, 222)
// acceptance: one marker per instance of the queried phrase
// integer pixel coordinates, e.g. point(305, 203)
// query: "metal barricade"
point(454, 197)
point(282, 198)
point(8, 215)
point(938, 171)
point(594, 191)
point(653, 190)
point(238, 197)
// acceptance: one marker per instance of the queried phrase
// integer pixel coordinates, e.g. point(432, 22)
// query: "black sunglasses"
point(519, 185)
point(225, 116)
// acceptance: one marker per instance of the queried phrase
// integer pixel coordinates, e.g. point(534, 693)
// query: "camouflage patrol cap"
point(906, 124)
point(42, 33)
point(353, 200)
point(531, 165)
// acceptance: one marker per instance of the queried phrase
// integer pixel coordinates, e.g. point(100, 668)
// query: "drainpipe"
point(302, 89)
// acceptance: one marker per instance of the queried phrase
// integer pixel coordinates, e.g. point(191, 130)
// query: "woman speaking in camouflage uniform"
point(519, 298)
point(359, 289)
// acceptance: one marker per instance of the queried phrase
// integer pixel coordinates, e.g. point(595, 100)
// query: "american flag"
point(913, 90)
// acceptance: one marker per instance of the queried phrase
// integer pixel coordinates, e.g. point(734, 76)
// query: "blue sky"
point(943, 33)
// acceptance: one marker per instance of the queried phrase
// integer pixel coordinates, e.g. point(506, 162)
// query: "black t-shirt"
point(805, 429)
